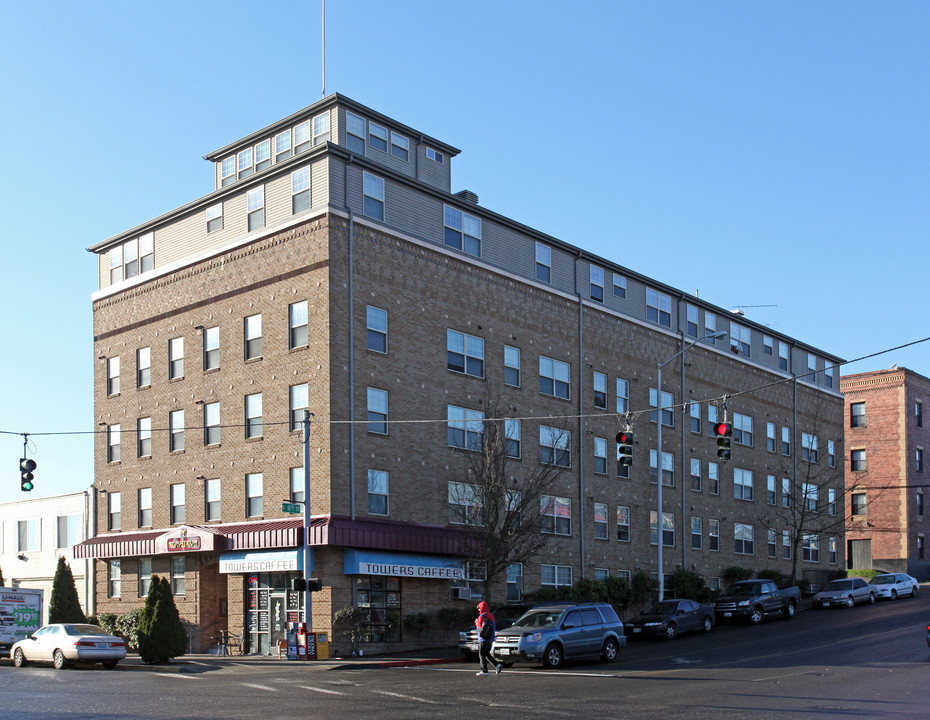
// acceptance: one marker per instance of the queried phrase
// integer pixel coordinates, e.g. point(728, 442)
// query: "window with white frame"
point(113, 375)
point(857, 461)
point(696, 474)
point(809, 451)
point(694, 413)
point(377, 492)
point(255, 201)
point(228, 171)
point(543, 263)
point(145, 576)
point(372, 196)
point(601, 574)
point(831, 550)
point(211, 424)
point(596, 275)
point(919, 413)
point(321, 129)
point(514, 582)
point(623, 523)
point(178, 585)
point(713, 535)
point(145, 507)
point(858, 503)
point(692, 320)
point(254, 495)
point(623, 395)
point(713, 478)
point(144, 367)
point(742, 484)
point(244, 165)
point(144, 437)
point(262, 155)
point(786, 494)
point(253, 415)
point(511, 366)
point(668, 528)
point(464, 504)
point(812, 367)
point(113, 443)
point(740, 339)
point(178, 503)
point(600, 521)
point(355, 133)
point(377, 136)
point(829, 375)
point(114, 511)
point(831, 454)
point(783, 357)
point(300, 190)
point(710, 327)
point(512, 438)
point(831, 501)
point(302, 138)
point(298, 321)
point(476, 573)
point(555, 575)
point(400, 146)
point(711, 418)
point(785, 545)
point(114, 578)
point(297, 482)
point(282, 146)
point(554, 377)
point(771, 442)
point(810, 545)
point(465, 428)
point(771, 490)
point(434, 155)
point(658, 307)
point(742, 429)
point(768, 345)
point(599, 389)
point(667, 402)
point(555, 515)
point(376, 329)
point(857, 414)
point(252, 337)
point(743, 539)
point(785, 441)
point(668, 467)
point(697, 533)
point(377, 411)
point(69, 531)
point(211, 348)
point(176, 358)
point(213, 500)
point(555, 446)
point(461, 231)
point(298, 404)
point(811, 497)
point(772, 544)
point(600, 456)
point(464, 353)
point(619, 286)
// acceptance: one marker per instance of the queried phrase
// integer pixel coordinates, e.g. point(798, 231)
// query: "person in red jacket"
point(487, 626)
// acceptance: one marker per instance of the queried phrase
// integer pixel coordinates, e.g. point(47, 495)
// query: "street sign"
point(290, 507)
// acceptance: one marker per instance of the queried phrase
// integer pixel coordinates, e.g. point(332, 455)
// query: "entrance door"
point(859, 556)
point(277, 622)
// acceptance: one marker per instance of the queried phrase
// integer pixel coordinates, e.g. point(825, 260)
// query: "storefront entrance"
point(270, 606)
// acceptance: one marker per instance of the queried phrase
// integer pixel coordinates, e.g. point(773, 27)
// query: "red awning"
point(391, 535)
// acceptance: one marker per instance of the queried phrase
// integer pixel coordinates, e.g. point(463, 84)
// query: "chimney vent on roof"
point(467, 196)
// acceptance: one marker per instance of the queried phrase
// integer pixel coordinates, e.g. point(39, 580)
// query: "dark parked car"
point(752, 600)
point(504, 617)
point(846, 592)
point(668, 618)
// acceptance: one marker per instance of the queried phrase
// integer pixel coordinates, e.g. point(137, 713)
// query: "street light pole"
point(708, 336)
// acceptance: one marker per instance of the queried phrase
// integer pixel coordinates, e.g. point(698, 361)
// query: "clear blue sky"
point(758, 153)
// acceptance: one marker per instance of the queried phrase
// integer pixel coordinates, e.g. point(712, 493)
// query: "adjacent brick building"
point(333, 270)
point(886, 437)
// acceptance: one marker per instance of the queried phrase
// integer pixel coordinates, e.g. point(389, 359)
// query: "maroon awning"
point(391, 535)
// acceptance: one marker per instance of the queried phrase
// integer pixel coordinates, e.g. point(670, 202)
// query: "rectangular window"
point(400, 146)
point(461, 231)
point(742, 484)
point(113, 375)
point(377, 411)
point(668, 467)
point(175, 430)
point(600, 521)
point(711, 419)
point(252, 337)
point(555, 515)
point(282, 146)
point(228, 171)
point(211, 348)
point(145, 576)
point(811, 497)
point(178, 504)
point(619, 286)
point(178, 586)
point(262, 155)
point(831, 454)
point(373, 196)
point(858, 503)
point(543, 263)
point(772, 543)
point(918, 459)
point(696, 474)
point(114, 514)
point(556, 575)
point(302, 137)
point(786, 493)
point(742, 429)
point(176, 358)
point(786, 545)
point(555, 446)
point(113, 443)
point(355, 133)
point(321, 129)
point(211, 424)
point(600, 456)
point(811, 546)
point(116, 264)
point(831, 549)
point(740, 339)
point(785, 441)
point(145, 507)
point(692, 326)
point(697, 533)
point(254, 495)
point(255, 199)
point(623, 395)
point(668, 529)
point(599, 388)
point(465, 428)
point(144, 435)
point(297, 482)
point(828, 375)
point(244, 163)
point(694, 412)
point(464, 504)
point(812, 367)
point(857, 461)
point(298, 404)
point(300, 190)
point(253, 415)
point(433, 155)
point(919, 413)
point(710, 327)
point(857, 414)
point(298, 322)
point(69, 531)
point(623, 523)
point(377, 492)
point(554, 377)
point(464, 353)
point(771, 442)
point(147, 251)
point(771, 491)
point(831, 501)
point(512, 438)
point(713, 535)
point(596, 275)
point(742, 539)
point(114, 578)
point(667, 403)
point(144, 367)
point(809, 451)
point(713, 478)
point(377, 136)
point(376, 328)
point(213, 500)
point(658, 308)
point(511, 366)
point(768, 345)
point(783, 356)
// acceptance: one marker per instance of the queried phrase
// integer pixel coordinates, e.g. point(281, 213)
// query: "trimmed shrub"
point(161, 634)
point(736, 574)
point(690, 586)
point(64, 606)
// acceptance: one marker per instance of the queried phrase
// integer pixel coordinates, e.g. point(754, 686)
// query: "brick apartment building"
point(332, 269)
point(886, 438)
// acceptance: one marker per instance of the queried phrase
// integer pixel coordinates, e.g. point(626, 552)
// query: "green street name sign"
point(289, 507)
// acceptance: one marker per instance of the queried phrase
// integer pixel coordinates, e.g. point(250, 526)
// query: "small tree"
point(351, 619)
point(161, 634)
point(64, 606)
point(417, 623)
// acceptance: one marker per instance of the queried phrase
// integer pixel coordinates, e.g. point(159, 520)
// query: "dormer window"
point(355, 133)
point(282, 146)
point(377, 137)
point(228, 171)
point(321, 129)
point(302, 137)
point(433, 155)
point(244, 163)
point(263, 155)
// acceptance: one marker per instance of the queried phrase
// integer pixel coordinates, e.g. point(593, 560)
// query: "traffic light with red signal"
point(723, 431)
point(625, 448)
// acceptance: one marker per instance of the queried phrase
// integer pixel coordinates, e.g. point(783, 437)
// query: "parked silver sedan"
point(65, 643)
point(846, 592)
point(894, 585)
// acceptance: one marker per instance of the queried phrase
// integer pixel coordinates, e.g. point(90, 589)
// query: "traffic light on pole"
point(26, 466)
point(624, 448)
point(723, 431)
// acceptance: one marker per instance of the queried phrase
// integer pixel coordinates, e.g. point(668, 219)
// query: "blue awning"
point(246, 561)
point(375, 562)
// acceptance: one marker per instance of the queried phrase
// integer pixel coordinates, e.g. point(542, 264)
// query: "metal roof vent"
point(467, 196)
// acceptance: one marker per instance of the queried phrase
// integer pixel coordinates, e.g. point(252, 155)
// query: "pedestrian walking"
point(487, 627)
